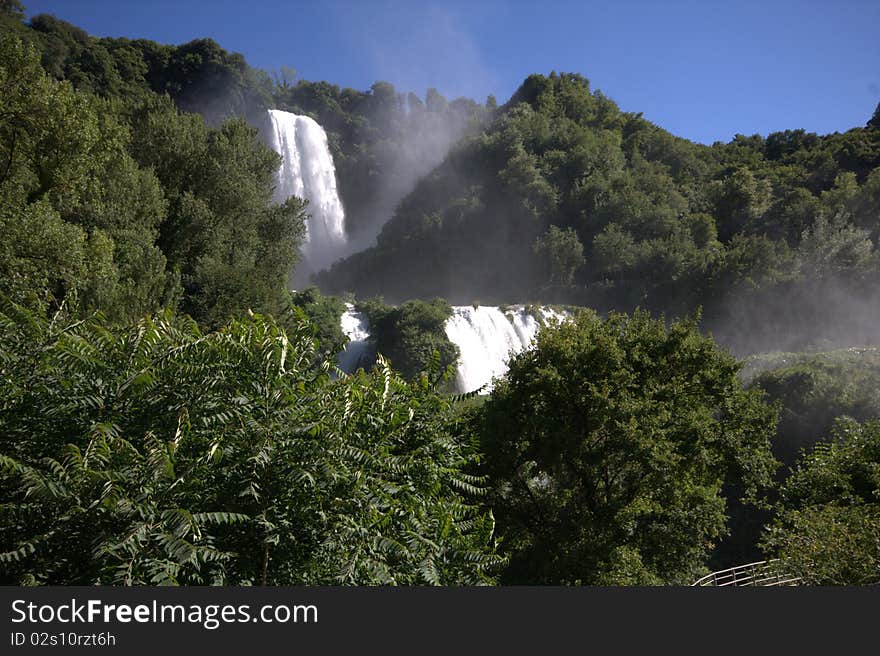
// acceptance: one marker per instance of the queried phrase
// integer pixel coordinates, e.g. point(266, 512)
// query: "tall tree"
point(611, 446)
point(563, 254)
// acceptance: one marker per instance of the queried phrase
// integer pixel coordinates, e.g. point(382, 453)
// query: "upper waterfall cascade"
point(486, 337)
point(307, 171)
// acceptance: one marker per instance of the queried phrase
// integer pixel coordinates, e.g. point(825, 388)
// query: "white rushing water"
point(358, 353)
point(486, 338)
point(307, 171)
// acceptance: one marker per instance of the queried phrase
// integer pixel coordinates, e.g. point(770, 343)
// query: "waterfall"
point(358, 352)
point(486, 337)
point(307, 171)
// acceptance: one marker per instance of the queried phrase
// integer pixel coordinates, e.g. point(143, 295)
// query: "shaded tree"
point(562, 253)
point(828, 527)
point(608, 446)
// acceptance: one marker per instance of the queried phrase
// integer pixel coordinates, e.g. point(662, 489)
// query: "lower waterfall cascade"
point(486, 337)
point(358, 353)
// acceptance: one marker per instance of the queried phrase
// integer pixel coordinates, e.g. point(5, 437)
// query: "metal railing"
point(761, 573)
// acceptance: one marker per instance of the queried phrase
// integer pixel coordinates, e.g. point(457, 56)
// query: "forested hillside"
point(565, 198)
point(171, 411)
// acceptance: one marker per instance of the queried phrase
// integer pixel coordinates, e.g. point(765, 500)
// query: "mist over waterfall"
point(486, 337)
point(307, 171)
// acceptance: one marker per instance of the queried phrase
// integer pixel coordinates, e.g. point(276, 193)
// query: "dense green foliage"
point(411, 335)
point(75, 209)
point(157, 453)
point(828, 528)
point(816, 390)
point(323, 314)
point(134, 205)
point(200, 76)
point(608, 446)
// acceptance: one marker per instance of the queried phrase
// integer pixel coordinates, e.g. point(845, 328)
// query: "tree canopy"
point(828, 528)
point(612, 446)
point(135, 205)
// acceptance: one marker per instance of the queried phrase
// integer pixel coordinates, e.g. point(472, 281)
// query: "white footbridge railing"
point(761, 573)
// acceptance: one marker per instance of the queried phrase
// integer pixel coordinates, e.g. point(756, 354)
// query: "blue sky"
point(703, 70)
